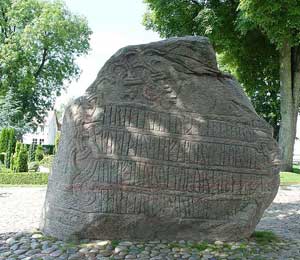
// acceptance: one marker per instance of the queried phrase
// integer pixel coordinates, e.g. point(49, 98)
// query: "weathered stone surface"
point(162, 146)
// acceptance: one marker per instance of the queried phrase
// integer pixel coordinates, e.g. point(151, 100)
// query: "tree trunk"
point(289, 103)
point(286, 132)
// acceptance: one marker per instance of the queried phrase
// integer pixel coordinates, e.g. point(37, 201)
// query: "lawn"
point(287, 178)
point(26, 178)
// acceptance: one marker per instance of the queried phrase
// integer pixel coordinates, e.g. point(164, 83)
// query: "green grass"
point(287, 178)
point(114, 243)
point(200, 246)
point(17, 179)
point(264, 237)
point(22, 185)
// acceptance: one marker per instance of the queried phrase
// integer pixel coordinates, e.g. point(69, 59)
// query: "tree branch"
point(44, 59)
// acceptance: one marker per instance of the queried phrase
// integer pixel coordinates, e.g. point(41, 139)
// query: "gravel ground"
point(20, 209)
point(283, 216)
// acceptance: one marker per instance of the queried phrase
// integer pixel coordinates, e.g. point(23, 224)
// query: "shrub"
point(2, 158)
point(47, 161)
point(31, 153)
point(33, 166)
point(8, 157)
point(12, 139)
point(33, 178)
point(39, 153)
point(7, 135)
point(48, 149)
point(3, 169)
point(4, 140)
point(11, 162)
point(7, 143)
point(22, 160)
point(14, 157)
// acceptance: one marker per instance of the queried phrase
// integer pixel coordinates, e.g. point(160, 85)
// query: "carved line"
point(190, 114)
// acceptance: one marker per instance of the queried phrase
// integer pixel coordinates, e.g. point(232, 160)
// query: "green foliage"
point(114, 243)
point(47, 161)
point(278, 19)
point(39, 43)
point(14, 157)
point(24, 178)
point(11, 114)
point(4, 140)
point(7, 138)
point(33, 166)
point(200, 246)
point(22, 160)
point(249, 55)
point(264, 237)
point(31, 152)
point(39, 153)
point(2, 158)
point(7, 144)
point(9, 155)
point(57, 139)
point(296, 168)
point(48, 149)
point(18, 147)
point(3, 169)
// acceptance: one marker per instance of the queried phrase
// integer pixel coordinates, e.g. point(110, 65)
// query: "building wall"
point(51, 130)
point(45, 132)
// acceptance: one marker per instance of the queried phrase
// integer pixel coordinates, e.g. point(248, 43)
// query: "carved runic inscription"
point(129, 154)
point(162, 145)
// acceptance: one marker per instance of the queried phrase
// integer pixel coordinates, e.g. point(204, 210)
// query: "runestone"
point(163, 145)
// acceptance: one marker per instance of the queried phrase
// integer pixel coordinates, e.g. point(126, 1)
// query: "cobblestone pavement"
point(21, 208)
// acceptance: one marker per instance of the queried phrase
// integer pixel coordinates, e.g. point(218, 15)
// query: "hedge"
point(33, 178)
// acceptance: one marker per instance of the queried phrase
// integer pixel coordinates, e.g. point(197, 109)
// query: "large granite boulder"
point(162, 146)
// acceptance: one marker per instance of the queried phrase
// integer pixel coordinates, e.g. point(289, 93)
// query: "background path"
point(20, 208)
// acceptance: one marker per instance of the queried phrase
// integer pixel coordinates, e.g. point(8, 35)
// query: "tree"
point(7, 144)
point(11, 115)
point(31, 153)
point(14, 156)
point(249, 56)
point(243, 44)
point(9, 155)
point(22, 160)
point(4, 139)
point(39, 153)
point(39, 43)
point(280, 21)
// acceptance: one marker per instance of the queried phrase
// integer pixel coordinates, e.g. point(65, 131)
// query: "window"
point(34, 141)
point(41, 141)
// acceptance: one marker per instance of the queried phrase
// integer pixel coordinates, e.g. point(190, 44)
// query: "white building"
point(45, 133)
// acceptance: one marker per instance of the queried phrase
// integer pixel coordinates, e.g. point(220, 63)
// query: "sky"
point(115, 24)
